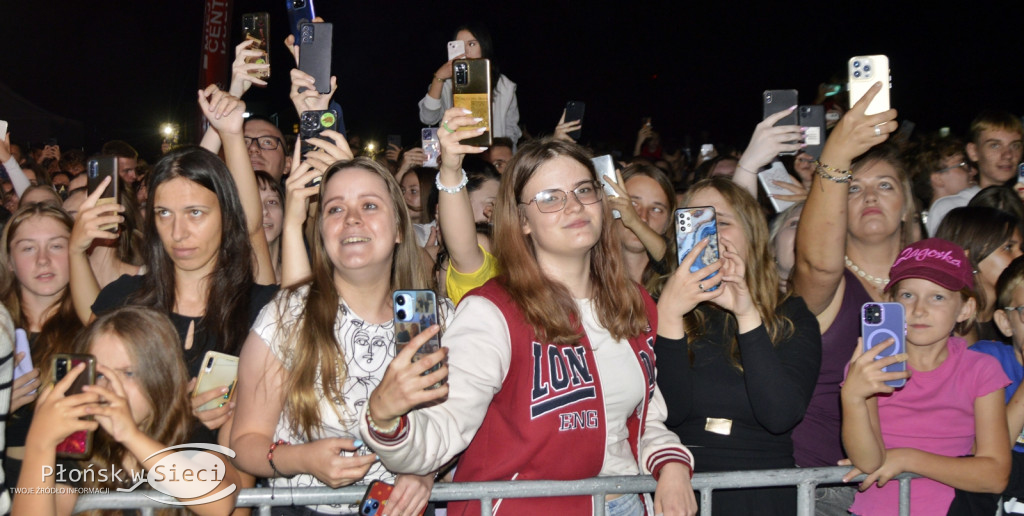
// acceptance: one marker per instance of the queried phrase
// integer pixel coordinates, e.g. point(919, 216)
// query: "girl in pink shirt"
point(948, 422)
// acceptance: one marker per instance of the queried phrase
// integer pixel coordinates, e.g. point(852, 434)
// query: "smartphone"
point(456, 48)
point(431, 146)
point(96, 170)
point(315, 53)
point(299, 12)
point(313, 123)
point(777, 172)
point(574, 111)
point(79, 444)
point(863, 73)
point(1020, 174)
point(472, 90)
point(813, 118)
point(707, 150)
point(605, 166)
point(218, 370)
point(881, 321)
point(256, 26)
point(21, 346)
point(3, 129)
point(781, 100)
point(415, 311)
point(395, 139)
point(376, 498)
point(692, 226)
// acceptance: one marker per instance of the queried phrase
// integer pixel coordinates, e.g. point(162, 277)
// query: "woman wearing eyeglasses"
point(550, 365)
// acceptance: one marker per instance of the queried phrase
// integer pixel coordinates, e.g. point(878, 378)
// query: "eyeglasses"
point(962, 164)
point(805, 160)
point(550, 201)
point(265, 142)
point(1018, 309)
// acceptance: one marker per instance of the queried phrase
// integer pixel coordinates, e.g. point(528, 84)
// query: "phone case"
point(315, 53)
point(777, 172)
point(415, 311)
point(79, 444)
point(256, 26)
point(395, 139)
point(456, 48)
point(431, 146)
point(864, 72)
point(471, 89)
point(881, 321)
point(299, 12)
point(313, 123)
point(1020, 173)
point(692, 226)
point(781, 100)
point(574, 111)
point(218, 370)
point(605, 166)
point(96, 170)
point(813, 118)
point(21, 346)
point(3, 128)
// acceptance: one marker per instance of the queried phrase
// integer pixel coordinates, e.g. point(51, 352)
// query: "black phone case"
point(315, 53)
point(813, 118)
point(781, 100)
point(79, 444)
point(471, 89)
point(574, 111)
point(96, 170)
point(312, 123)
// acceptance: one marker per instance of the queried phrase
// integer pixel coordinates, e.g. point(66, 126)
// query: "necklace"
point(879, 282)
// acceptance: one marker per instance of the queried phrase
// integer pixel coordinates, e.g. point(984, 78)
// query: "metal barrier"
point(805, 480)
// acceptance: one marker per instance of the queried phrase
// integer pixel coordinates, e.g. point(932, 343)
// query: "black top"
point(764, 402)
point(116, 295)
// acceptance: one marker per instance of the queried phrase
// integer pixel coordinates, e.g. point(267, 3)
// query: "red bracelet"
point(270, 457)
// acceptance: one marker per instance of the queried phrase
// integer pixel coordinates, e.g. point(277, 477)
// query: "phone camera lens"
point(768, 98)
point(400, 301)
point(856, 73)
point(856, 64)
point(867, 68)
point(401, 314)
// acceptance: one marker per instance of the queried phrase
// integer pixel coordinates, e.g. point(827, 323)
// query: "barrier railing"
point(805, 480)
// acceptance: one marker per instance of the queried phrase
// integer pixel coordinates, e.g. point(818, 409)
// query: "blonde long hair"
point(316, 355)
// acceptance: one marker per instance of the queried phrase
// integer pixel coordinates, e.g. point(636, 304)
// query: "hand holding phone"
point(864, 72)
point(692, 226)
point(219, 370)
point(471, 90)
point(78, 445)
point(879, 323)
point(315, 42)
point(574, 110)
point(456, 49)
point(256, 28)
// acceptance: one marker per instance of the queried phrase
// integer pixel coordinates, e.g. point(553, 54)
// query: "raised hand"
point(563, 128)
point(304, 95)
point(856, 132)
point(92, 217)
point(241, 70)
point(58, 415)
point(452, 149)
point(114, 412)
point(211, 418)
point(404, 387)
point(769, 141)
point(223, 110)
point(865, 377)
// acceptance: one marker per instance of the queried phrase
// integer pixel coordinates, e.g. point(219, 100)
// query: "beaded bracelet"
point(383, 431)
point(825, 172)
point(452, 189)
point(270, 457)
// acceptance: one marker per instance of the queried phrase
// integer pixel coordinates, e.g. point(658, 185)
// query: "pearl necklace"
point(880, 283)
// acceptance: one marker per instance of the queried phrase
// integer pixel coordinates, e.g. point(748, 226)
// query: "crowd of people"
point(575, 343)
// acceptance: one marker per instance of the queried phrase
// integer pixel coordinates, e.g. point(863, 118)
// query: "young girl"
point(951, 405)
point(140, 406)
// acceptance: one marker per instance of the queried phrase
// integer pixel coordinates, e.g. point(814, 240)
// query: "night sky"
point(698, 69)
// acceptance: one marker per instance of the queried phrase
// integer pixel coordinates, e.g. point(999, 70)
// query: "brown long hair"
point(759, 270)
point(60, 322)
point(151, 343)
point(546, 303)
point(651, 280)
point(316, 355)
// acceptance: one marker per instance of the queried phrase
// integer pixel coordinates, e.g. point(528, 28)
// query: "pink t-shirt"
point(933, 412)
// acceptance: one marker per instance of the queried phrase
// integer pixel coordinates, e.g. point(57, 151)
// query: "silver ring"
point(700, 286)
point(878, 130)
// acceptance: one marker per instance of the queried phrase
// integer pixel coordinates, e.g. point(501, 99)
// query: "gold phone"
point(471, 89)
point(218, 370)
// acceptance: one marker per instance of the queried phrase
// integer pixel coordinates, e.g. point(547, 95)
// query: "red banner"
point(216, 56)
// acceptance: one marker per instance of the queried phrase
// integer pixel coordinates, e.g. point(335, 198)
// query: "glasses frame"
point(598, 189)
point(962, 164)
point(249, 139)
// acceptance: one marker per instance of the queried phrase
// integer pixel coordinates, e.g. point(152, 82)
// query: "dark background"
point(698, 69)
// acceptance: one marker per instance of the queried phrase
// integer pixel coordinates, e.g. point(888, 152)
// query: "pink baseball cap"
point(939, 261)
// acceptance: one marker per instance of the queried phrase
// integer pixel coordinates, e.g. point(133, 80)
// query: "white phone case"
point(777, 172)
point(864, 72)
point(456, 48)
point(605, 166)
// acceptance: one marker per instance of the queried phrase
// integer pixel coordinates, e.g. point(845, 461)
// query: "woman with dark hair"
point(138, 407)
point(555, 354)
point(992, 240)
point(504, 106)
point(272, 198)
point(316, 352)
point(206, 256)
